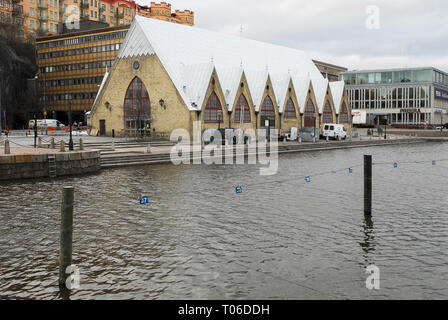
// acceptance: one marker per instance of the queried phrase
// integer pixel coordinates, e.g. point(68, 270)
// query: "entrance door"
point(267, 123)
point(102, 128)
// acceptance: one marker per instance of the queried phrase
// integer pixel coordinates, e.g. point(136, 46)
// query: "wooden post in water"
point(52, 143)
point(39, 142)
point(7, 148)
point(62, 149)
point(81, 145)
point(65, 253)
point(368, 185)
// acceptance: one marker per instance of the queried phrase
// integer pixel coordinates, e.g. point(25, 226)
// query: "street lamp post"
point(314, 121)
point(70, 143)
point(35, 130)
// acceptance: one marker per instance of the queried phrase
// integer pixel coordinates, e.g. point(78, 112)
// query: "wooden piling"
point(52, 143)
point(66, 231)
point(368, 185)
point(62, 149)
point(7, 148)
point(81, 145)
point(39, 142)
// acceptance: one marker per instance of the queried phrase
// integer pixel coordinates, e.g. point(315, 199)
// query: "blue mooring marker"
point(395, 165)
point(434, 162)
point(308, 179)
point(350, 170)
point(144, 200)
point(239, 190)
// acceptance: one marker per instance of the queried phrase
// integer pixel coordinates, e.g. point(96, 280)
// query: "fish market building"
point(166, 76)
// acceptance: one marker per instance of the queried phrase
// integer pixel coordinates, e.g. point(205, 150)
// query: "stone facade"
point(159, 86)
point(37, 165)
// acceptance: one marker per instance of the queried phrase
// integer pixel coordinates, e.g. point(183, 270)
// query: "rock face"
point(17, 93)
point(30, 166)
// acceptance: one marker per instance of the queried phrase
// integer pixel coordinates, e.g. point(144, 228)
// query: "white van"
point(335, 131)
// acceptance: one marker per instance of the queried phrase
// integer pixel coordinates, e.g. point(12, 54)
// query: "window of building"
point(267, 109)
point(290, 110)
point(328, 114)
point(137, 107)
point(32, 24)
point(343, 114)
point(1, 4)
point(242, 108)
point(309, 115)
point(213, 110)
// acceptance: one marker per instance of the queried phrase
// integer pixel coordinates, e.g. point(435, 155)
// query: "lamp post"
point(35, 130)
point(70, 143)
point(314, 130)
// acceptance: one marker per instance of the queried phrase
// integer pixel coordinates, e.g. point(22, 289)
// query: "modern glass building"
point(399, 97)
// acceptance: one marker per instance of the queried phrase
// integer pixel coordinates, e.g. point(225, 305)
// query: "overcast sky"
point(411, 32)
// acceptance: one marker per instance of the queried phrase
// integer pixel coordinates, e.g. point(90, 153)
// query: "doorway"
point(102, 128)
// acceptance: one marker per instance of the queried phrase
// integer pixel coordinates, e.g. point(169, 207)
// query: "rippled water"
point(282, 238)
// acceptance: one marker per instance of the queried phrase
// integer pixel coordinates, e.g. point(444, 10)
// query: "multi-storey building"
point(400, 97)
point(71, 68)
point(30, 18)
point(329, 71)
point(37, 18)
point(72, 65)
point(162, 11)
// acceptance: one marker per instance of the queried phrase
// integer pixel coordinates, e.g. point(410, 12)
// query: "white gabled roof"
point(178, 47)
point(301, 85)
point(136, 43)
point(320, 86)
point(337, 91)
point(103, 83)
point(230, 78)
point(281, 84)
point(257, 83)
point(195, 81)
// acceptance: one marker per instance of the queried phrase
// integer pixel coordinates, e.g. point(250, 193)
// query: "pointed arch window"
point(213, 110)
point(343, 114)
point(328, 114)
point(242, 109)
point(290, 110)
point(310, 115)
point(267, 109)
point(137, 107)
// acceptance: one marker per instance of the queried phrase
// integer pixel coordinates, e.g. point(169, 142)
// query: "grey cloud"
point(412, 32)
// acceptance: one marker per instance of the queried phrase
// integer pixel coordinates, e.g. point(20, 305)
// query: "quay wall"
point(30, 166)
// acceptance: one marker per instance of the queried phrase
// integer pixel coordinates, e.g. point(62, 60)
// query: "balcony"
point(42, 18)
point(43, 30)
point(119, 15)
point(16, 12)
point(102, 9)
point(84, 5)
point(42, 5)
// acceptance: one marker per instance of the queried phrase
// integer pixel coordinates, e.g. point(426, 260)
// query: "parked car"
point(335, 131)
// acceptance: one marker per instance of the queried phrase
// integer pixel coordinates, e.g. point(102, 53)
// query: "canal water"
point(281, 238)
